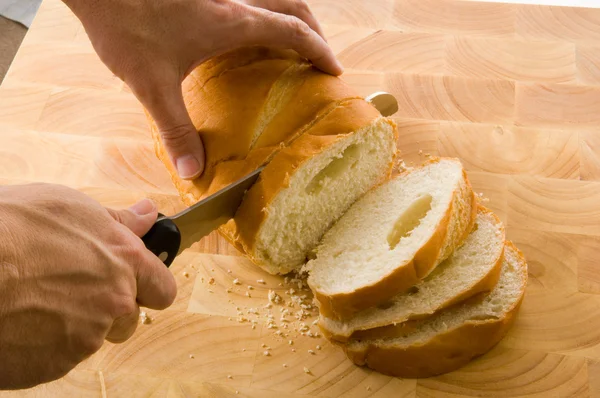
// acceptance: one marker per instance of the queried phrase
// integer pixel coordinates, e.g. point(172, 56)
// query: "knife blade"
point(169, 236)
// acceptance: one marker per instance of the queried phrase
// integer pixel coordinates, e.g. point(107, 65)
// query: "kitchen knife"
point(169, 236)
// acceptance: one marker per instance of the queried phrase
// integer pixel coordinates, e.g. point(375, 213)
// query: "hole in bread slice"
point(339, 165)
point(409, 219)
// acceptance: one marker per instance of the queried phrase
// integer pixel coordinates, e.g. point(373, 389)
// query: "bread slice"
point(323, 146)
point(392, 237)
point(471, 269)
point(450, 339)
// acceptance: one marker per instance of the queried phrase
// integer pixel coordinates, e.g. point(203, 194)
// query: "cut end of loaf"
point(319, 192)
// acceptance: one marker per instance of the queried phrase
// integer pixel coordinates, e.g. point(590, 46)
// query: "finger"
point(180, 138)
point(297, 8)
point(156, 286)
point(268, 28)
point(123, 327)
point(139, 218)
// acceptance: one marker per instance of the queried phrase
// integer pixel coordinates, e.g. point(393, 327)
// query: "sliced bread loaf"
point(392, 237)
point(450, 339)
point(323, 146)
point(473, 268)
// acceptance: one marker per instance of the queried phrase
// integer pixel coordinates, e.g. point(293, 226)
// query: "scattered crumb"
point(263, 345)
point(420, 152)
point(237, 392)
point(248, 294)
point(191, 356)
point(185, 274)
point(250, 287)
point(291, 342)
point(145, 318)
point(315, 322)
point(243, 350)
point(229, 271)
point(311, 352)
point(267, 353)
point(306, 370)
point(368, 388)
point(228, 290)
point(211, 281)
point(293, 350)
point(262, 281)
point(279, 333)
point(210, 291)
point(212, 269)
point(236, 281)
point(229, 376)
point(285, 365)
point(274, 297)
point(253, 326)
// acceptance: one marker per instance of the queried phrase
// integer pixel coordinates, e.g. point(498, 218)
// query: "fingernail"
point(143, 207)
point(340, 66)
point(188, 167)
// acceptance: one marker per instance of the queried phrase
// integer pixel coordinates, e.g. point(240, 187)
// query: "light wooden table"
point(512, 90)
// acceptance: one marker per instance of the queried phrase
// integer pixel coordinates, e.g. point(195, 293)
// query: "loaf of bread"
point(392, 238)
point(449, 339)
point(471, 269)
point(323, 146)
point(412, 275)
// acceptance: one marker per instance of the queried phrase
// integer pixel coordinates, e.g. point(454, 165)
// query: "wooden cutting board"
point(512, 90)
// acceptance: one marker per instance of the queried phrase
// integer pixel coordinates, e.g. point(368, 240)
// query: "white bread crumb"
point(236, 281)
point(261, 281)
point(267, 353)
point(191, 356)
point(145, 318)
point(306, 370)
point(311, 352)
point(185, 274)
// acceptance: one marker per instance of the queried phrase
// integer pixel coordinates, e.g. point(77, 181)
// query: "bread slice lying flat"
point(453, 337)
point(471, 269)
point(323, 146)
point(392, 237)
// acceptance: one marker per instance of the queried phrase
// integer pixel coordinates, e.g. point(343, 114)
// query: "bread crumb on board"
point(191, 356)
point(306, 370)
point(145, 318)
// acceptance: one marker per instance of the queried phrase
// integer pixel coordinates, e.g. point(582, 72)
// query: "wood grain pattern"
point(452, 98)
point(511, 59)
point(557, 105)
point(515, 150)
point(455, 17)
point(588, 63)
point(397, 51)
point(512, 90)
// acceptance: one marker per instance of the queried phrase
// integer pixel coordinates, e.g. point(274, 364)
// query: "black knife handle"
point(163, 239)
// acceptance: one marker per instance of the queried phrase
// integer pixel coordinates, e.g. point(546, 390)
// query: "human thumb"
point(180, 138)
point(139, 218)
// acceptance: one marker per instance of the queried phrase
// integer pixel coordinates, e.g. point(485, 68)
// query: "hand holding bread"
point(153, 45)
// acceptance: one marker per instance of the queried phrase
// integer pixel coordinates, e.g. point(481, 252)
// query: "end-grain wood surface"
point(512, 90)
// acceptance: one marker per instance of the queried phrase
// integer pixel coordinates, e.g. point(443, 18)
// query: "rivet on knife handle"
point(163, 239)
